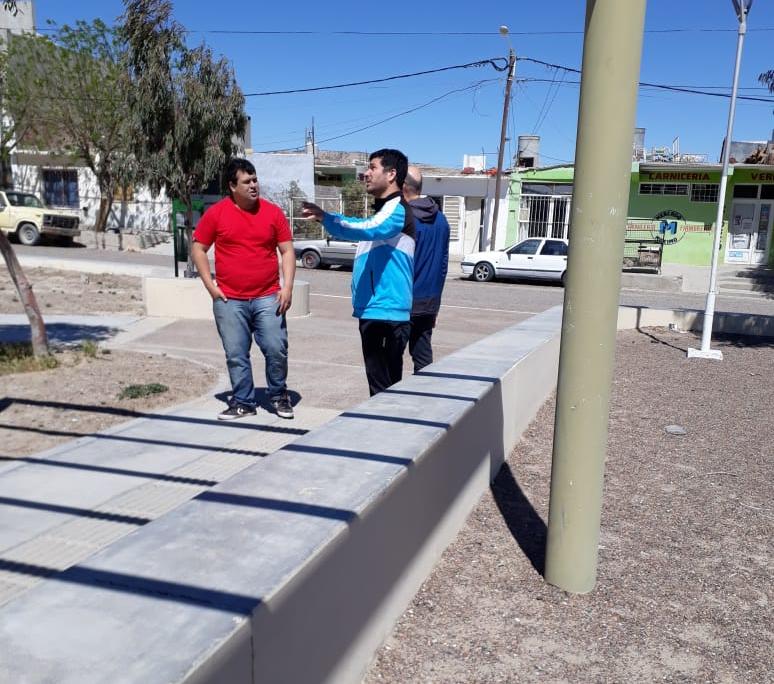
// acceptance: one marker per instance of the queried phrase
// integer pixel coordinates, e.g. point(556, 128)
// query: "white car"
point(540, 258)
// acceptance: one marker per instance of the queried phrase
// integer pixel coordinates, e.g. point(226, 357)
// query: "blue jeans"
point(240, 319)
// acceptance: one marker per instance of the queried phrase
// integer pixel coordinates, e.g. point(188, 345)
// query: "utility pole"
point(501, 152)
point(608, 99)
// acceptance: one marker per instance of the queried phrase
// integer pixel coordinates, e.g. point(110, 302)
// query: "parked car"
point(539, 258)
point(325, 252)
point(29, 220)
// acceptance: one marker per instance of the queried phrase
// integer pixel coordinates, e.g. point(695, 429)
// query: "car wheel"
point(310, 259)
point(28, 234)
point(483, 272)
point(564, 278)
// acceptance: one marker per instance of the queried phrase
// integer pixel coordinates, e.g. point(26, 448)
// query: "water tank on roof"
point(528, 155)
point(639, 144)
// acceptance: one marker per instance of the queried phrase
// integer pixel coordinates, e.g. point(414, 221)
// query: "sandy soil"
point(42, 409)
point(68, 292)
point(684, 590)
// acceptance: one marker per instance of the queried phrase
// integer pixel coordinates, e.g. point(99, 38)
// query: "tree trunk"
point(105, 204)
point(6, 171)
point(27, 297)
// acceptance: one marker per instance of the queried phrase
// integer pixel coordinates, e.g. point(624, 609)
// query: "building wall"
point(142, 214)
point(693, 245)
point(276, 172)
point(471, 190)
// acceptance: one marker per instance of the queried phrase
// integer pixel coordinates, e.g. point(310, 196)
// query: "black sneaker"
point(282, 407)
point(236, 411)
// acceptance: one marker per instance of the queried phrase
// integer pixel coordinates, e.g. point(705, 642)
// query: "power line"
point(661, 86)
point(473, 86)
point(480, 63)
point(392, 34)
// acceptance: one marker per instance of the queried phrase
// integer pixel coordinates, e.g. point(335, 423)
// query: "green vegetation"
point(17, 357)
point(89, 348)
point(138, 391)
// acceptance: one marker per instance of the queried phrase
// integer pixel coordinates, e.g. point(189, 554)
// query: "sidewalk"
point(61, 506)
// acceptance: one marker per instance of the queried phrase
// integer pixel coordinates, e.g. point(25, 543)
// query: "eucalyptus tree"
point(79, 75)
point(187, 109)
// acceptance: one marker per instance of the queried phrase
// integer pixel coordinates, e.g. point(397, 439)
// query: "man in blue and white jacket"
point(383, 272)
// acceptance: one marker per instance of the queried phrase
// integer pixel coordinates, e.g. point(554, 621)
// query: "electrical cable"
point(661, 86)
point(473, 86)
point(482, 62)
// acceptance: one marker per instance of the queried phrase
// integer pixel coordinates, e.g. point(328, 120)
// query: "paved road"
point(493, 297)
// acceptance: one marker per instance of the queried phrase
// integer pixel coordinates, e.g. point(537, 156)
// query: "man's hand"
point(216, 293)
point(312, 211)
point(284, 300)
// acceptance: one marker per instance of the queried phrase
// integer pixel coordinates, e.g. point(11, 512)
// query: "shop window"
point(746, 191)
point(673, 189)
point(704, 192)
point(767, 191)
point(60, 188)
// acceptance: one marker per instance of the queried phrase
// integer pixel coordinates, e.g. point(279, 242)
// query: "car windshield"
point(526, 247)
point(22, 199)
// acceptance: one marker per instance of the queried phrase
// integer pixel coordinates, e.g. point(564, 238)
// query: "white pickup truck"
point(23, 214)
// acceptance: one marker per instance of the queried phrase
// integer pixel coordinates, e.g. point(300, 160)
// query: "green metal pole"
point(606, 117)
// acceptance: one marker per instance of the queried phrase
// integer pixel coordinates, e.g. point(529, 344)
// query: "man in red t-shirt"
point(247, 299)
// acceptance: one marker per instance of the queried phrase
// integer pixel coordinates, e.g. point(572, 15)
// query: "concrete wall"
point(296, 569)
point(187, 298)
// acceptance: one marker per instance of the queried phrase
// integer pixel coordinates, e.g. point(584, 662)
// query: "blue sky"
point(467, 121)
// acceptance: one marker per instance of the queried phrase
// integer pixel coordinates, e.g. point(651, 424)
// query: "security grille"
point(544, 216)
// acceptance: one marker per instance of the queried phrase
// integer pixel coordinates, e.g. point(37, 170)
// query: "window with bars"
point(60, 187)
point(674, 189)
point(704, 192)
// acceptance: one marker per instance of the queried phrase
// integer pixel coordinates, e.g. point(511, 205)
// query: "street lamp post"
point(742, 8)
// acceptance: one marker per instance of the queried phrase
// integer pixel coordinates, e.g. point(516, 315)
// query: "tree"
point(187, 108)
point(767, 78)
point(353, 195)
point(11, 127)
point(79, 89)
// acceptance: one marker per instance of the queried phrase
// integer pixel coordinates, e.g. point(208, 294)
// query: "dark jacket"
point(431, 256)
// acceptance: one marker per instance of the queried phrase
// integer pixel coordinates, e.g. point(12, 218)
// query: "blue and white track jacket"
point(383, 272)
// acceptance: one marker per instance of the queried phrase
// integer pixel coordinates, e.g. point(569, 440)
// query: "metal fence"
point(304, 229)
point(544, 216)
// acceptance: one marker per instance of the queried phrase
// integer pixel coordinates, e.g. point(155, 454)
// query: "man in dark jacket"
point(431, 263)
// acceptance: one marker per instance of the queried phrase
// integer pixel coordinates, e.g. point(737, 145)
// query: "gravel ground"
point(42, 409)
point(68, 292)
point(685, 558)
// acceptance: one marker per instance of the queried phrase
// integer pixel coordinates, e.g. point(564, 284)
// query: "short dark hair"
point(392, 160)
point(236, 165)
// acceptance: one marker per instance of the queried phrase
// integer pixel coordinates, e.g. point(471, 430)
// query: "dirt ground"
point(684, 589)
point(68, 292)
point(42, 409)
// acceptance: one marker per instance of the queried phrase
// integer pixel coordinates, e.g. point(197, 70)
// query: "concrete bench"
point(295, 569)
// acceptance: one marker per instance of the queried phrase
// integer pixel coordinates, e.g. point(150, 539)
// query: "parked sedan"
point(325, 252)
point(539, 258)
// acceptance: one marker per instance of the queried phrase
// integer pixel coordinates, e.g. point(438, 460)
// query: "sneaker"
point(282, 407)
point(236, 411)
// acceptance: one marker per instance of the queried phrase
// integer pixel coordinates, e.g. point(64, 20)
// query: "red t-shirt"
point(245, 246)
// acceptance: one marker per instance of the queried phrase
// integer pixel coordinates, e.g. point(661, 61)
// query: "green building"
point(675, 203)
